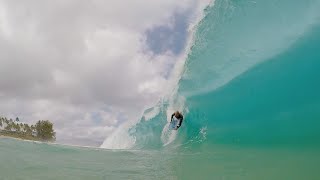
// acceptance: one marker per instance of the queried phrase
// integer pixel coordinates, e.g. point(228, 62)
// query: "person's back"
point(179, 118)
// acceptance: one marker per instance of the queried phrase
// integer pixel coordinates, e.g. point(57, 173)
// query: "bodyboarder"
point(176, 120)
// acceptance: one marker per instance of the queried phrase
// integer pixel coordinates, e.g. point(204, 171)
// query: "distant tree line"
point(41, 131)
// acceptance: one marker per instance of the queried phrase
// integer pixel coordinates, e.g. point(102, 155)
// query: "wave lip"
point(236, 36)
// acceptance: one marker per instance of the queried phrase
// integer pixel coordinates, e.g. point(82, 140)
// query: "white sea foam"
point(152, 113)
point(177, 102)
point(168, 135)
point(120, 139)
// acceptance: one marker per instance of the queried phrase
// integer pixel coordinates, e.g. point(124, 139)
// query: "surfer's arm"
point(172, 116)
point(180, 122)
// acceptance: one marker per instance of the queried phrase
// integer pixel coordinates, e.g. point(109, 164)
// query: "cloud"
point(169, 38)
point(88, 66)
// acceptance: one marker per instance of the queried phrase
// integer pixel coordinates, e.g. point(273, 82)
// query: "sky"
point(89, 66)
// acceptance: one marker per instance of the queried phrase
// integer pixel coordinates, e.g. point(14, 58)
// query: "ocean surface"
point(250, 95)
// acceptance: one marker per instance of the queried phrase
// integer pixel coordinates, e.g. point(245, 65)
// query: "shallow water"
point(36, 161)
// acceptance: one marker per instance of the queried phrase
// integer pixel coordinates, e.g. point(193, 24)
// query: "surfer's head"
point(177, 114)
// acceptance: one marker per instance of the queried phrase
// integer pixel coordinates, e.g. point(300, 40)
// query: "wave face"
point(251, 78)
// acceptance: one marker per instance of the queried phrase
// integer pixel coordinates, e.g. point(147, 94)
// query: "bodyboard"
point(174, 123)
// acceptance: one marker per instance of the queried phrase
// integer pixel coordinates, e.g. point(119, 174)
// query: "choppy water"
point(250, 96)
point(34, 161)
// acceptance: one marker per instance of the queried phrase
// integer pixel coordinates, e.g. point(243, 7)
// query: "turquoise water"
point(250, 95)
point(26, 160)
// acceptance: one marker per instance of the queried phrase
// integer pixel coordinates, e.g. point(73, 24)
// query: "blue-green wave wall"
point(251, 78)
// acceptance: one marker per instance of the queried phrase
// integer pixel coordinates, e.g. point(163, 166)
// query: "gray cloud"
point(171, 37)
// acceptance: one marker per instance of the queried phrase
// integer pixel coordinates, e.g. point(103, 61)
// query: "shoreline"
point(19, 135)
point(53, 143)
point(59, 144)
point(19, 139)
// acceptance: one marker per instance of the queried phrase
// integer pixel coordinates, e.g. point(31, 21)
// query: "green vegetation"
point(41, 131)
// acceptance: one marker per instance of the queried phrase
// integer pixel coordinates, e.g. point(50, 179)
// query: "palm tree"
point(6, 120)
point(21, 127)
point(8, 127)
point(17, 127)
point(33, 130)
point(13, 125)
